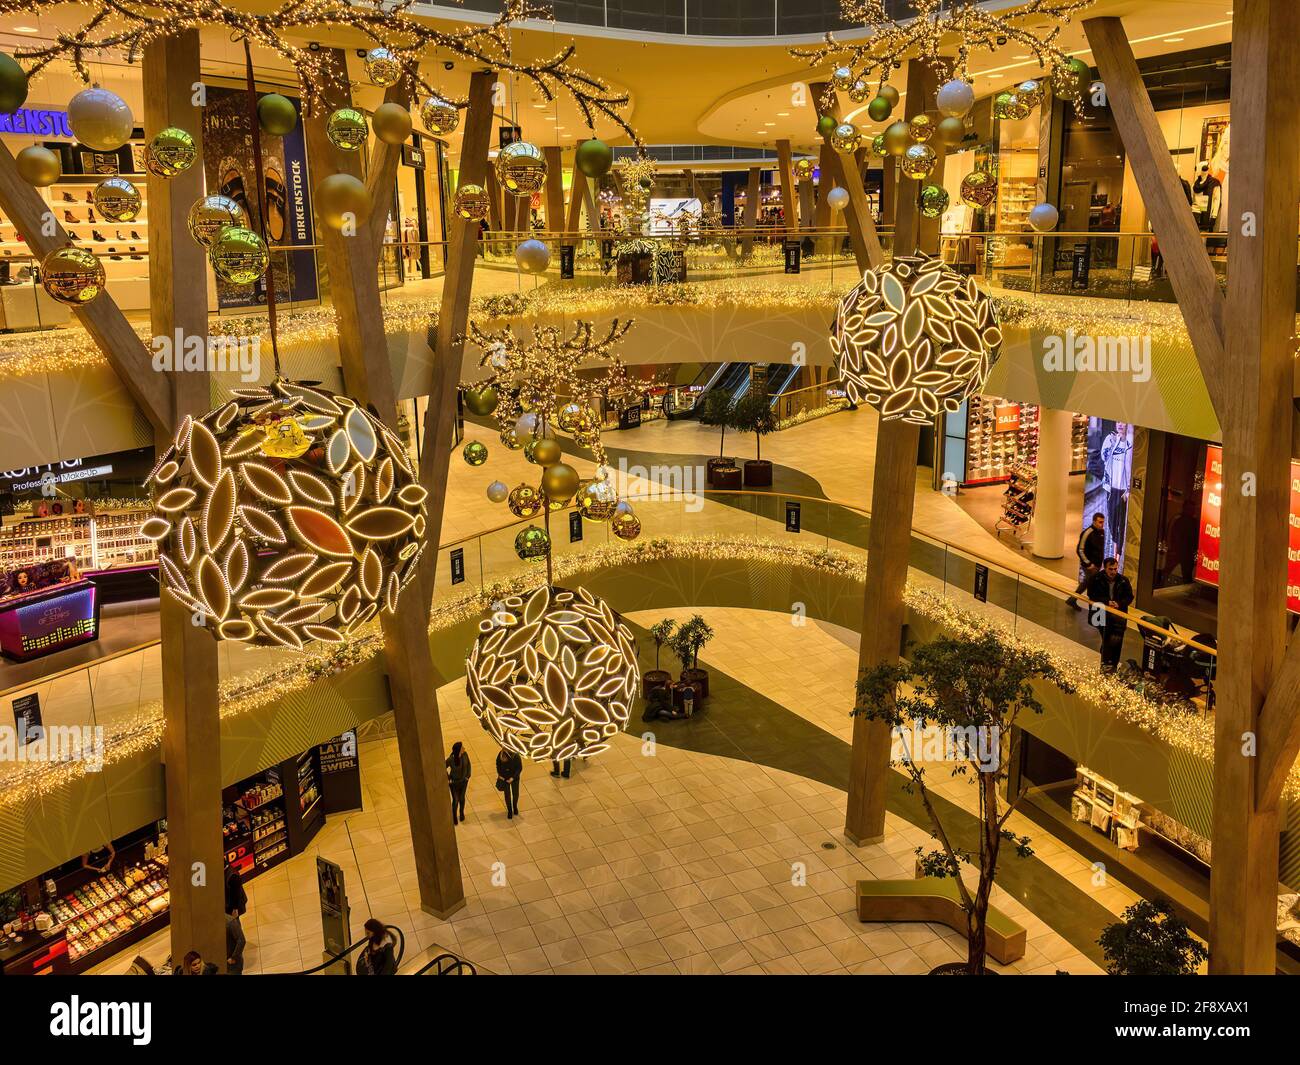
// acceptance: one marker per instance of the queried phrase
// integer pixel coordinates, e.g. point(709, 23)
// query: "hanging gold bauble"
point(511, 439)
point(626, 525)
point(1030, 92)
point(525, 501)
point(342, 202)
point(546, 452)
point(346, 129)
point(521, 168)
point(392, 123)
point(72, 275)
point(100, 119)
point(918, 161)
point(978, 188)
point(472, 202)
point(846, 138)
point(898, 137)
point(117, 200)
point(921, 128)
point(439, 116)
point(858, 92)
point(596, 500)
point(172, 151)
point(803, 168)
point(382, 67)
point(842, 78)
point(951, 130)
point(238, 255)
point(560, 482)
point(38, 166)
point(211, 214)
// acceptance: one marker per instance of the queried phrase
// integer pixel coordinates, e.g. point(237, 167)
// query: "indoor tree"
point(1150, 940)
point(753, 413)
point(714, 409)
point(965, 692)
point(690, 639)
point(662, 634)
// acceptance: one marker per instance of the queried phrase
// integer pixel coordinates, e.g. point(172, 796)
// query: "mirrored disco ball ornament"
point(1008, 105)
point(921, 127)
point(842, 78)
point(439, 116)
point(915, 337)
point(100, 119)
point(510, 438)
point(803, 168)
point(285, 516)
point(472, 202)
point(172, 151)
point(596, 500)
point(625, 525)
point(346, 129)
point(878, 146)
point(846, 138)
point(858, 92)
point(978, 188)
point(382, 67)
point(117, 200)
point(934, 200)
point(238, 255)
point(919, 161)
point(553, 674)
point(72, 275)
point(1030, 92)
point(525, 501)
point(531, 543)
point(210, 215)
point(475, 453)
point(521, 168)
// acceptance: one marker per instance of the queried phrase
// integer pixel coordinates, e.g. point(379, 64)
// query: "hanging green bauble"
point(546, 451)
point(72, 275)
point(382, 67)
point(172, 151)
point(346, 129)
point(392, 123)
point(525, 501)
point(934, 200)
point(342, 202)
point(918, 162)
point(879, 109)
point(475, 453)
point(38, 166)
point(13, 84)
point(951, 131)
point(238, 256)
point(890, 94)
point(276, 114)
point(594, 158)
point(481, 400)
point(100, 119)
point(846, 138)
point(825, 124)
point(521, 168)
point(117, 200)
point(532, 543)
point(560, 482)
point(898, 137)
point(439, 116)
point(211, 214)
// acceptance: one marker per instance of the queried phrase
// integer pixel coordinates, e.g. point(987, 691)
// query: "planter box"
point(714, 464)
point(678, 700)
point(636, 269)
point(727, 477)
point(758, 473)
point(655, 678)
point(698, 678)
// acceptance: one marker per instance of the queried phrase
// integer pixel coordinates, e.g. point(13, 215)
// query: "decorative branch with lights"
point(938, 27)
point(125, 27)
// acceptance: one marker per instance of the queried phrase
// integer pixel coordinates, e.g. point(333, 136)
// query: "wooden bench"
point(936, 899)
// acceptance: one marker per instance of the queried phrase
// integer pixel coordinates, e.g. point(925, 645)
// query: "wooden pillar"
point(786, 166)
point(857, 215)
point(752, 192)
point(363, 350)
point(178, 301)
point(807, 201)
point(381, 180)
point(554, 189)
point(573, 223)
point(922, 84)
point(496, 217)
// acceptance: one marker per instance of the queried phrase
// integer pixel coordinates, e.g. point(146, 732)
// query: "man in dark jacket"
point(1090, 549)
point(235, 943)
point(1110, 588)
point(236, 896)
point(509, 769)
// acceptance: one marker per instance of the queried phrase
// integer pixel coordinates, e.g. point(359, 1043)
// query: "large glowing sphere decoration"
point(521, 168)
point(285, 516)
point(553, 674)
point(915, 337)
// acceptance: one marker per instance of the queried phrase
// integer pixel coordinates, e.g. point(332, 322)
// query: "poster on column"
point(1207, 547)
point(1106, 484)
point(230, 171)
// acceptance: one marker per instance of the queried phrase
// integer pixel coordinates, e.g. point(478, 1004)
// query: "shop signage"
point(27, 717)
point(607, 249)
point(1081, 264)
point(508, 135)
point(1150, 658)
point(1006, 419)
point(339, 754)
point(575, 527)
point(334, 913)
point(981, 590)
point(792, 515)
point(37, 122)
point(566, 262)
point(413, 156)
point(758, 377)
point(1207, 548)
point(792, 253)
point(629, 417)
point(457, 565)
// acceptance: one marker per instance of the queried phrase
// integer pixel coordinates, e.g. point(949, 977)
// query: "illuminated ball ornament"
point(553, 674)
point(13, 84)
point(803, 168)
point(172, 151)
point(594, 158)
point(1043, 217)
point(956, 98)
point(471, 203)
point(846, 138)
point(921, 128)
point(532, 543)
point(879, 108)
point(525, 501)
point(934, 200)
point(285, 516)
point(382, 67)
point(532, 256)
point(951, 131)
point(276, 114)
point(117, 200)
point(978, 188)
point(596, 500)
point(898, 138)
point(842, 78)
point(100, 119)
point(38, 166)
point(346, 129)
point(342, 201)
point(919, 161)
point(497, 492)
point(475, 453)
point(439, 116)
point(210, 215)
point(392, 123)
point(238, 255)
point(1030, 92)
point(915, 337)
point(72, 275)
point(838, 198)
point(481, 400)
point(560, 482)
point(521, 168)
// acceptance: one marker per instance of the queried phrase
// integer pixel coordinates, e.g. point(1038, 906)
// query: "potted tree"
point(753, 413)
point(714, 408)
point(1150, 940)
point(967, 691)
point(687, 643)
point(662, 634)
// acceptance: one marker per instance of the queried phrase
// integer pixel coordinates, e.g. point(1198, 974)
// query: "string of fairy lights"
point(254, 690)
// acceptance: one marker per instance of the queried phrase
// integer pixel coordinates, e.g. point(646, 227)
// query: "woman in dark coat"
point(509, 769)
point(458, 770)
point(377, 957)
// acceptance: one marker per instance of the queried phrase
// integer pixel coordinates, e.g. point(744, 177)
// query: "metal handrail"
point(399, 935)
point(454, 969)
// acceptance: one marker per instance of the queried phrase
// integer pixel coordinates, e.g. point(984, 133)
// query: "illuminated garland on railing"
point(251, 691)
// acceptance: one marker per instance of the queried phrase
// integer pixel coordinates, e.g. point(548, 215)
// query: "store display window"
point(1109, 480)
point(990, 437)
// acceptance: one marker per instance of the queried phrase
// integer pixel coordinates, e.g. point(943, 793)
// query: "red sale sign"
point(1207, 549)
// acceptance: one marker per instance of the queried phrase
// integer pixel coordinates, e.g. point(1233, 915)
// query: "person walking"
point(1091, 549)
point(235, 943)
point(377, 957)
point(458, 770)
point(561, 769)
point(236, 896)
point(509, 768)
point(1112, 588)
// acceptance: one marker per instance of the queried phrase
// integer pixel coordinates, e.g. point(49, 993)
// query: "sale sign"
point(1207, 549)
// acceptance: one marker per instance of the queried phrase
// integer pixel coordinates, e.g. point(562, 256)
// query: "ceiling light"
point(1172, 40)
point(26, 29)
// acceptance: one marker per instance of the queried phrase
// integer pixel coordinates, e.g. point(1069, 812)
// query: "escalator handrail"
point(454, 969)
point(397, 934)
